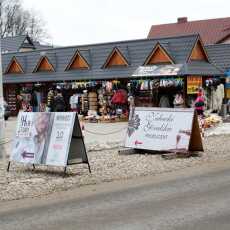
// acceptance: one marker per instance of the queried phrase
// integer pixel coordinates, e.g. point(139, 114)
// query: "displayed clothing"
point(39, 99)
point(164, 102)
point(178, 101)
point(73, 101)
point(216, 97)
point(220, 96)
point(84, 102)
point(119, 97)
point(131, 102)
point(50, 98)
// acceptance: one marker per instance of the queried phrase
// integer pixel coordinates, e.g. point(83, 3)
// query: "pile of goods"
point(212, 120)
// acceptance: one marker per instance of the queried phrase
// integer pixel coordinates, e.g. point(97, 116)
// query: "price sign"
point(193, 83)
point(60, 139)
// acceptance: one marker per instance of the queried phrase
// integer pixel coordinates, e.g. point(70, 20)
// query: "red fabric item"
point(199, 99)
point(120, 97)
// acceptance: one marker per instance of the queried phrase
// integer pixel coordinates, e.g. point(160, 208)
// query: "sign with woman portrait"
point(31, 139)
point(47, 138)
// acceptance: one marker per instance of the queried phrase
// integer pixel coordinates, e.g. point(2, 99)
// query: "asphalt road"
point(194, 198)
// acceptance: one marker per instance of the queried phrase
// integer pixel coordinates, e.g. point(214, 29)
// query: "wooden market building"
point(172, 57)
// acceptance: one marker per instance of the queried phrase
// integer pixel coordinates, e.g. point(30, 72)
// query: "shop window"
point(115, 59)
point(77, 62)
point(14, 67)
point(158, 56)
point(44, 65)
point(198, 53)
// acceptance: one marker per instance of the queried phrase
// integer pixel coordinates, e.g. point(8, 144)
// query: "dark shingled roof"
point(136, 52)
point(40, 46)
point(220, 55)
point(13, 44)
point(211, 30)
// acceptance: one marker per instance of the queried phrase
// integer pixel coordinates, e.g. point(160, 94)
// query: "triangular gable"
point(27, 40)
point(158, 55)
point(77, 62)
point(14, 67)
point(198, 52)
point(44, 65)
point(116, 58)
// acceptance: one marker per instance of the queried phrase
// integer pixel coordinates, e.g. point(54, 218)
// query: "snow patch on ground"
point(221, 129)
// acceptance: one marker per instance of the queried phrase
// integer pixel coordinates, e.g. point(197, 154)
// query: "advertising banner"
point(60, 139)
point(193, 83)
point(157, 70)
point(162, 129)
point(32, 137)
point(47, 138)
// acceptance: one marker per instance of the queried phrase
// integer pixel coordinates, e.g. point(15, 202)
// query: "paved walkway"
point(107, 165)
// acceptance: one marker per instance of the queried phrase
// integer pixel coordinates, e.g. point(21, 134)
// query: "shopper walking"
point(59, 102)
point(199, 103)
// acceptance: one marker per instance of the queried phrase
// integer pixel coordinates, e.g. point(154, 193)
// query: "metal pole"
point(1, 103)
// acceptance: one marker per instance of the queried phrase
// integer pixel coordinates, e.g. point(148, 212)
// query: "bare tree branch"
point(17, 21)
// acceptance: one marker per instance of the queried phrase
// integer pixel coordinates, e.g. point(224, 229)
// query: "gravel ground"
point(107, 165)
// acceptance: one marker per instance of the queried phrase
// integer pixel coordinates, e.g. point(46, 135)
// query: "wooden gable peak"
point(116, 58)
point(44, 65)
point(198, 52)
point(14, 67)
point(77, 62)
point(158, 56)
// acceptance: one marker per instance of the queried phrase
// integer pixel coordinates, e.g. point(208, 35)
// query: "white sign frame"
point(161, 129)
point(59, 145)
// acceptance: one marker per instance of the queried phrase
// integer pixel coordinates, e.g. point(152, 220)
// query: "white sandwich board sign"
point(163, 129)
point(48, 138)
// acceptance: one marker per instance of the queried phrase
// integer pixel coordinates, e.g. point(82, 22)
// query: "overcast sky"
point(74, 22)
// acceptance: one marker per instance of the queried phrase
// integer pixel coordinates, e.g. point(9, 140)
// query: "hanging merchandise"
point(115, 84)
point(178, 101)
point(108, 86)
point(120, 97)
point(171, 82)
point(155, 83)
point(179, 82)
point(84, 102)
point(220, 96)
point(212, 82)
point(164, 102)
point(74, 101)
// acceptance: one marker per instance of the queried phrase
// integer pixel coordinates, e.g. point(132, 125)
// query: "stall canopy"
point(157, 70)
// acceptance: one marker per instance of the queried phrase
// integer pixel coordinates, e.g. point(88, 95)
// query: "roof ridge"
point(219, 44)
point(114, 42)
point(192, 21)
point(16, 36)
